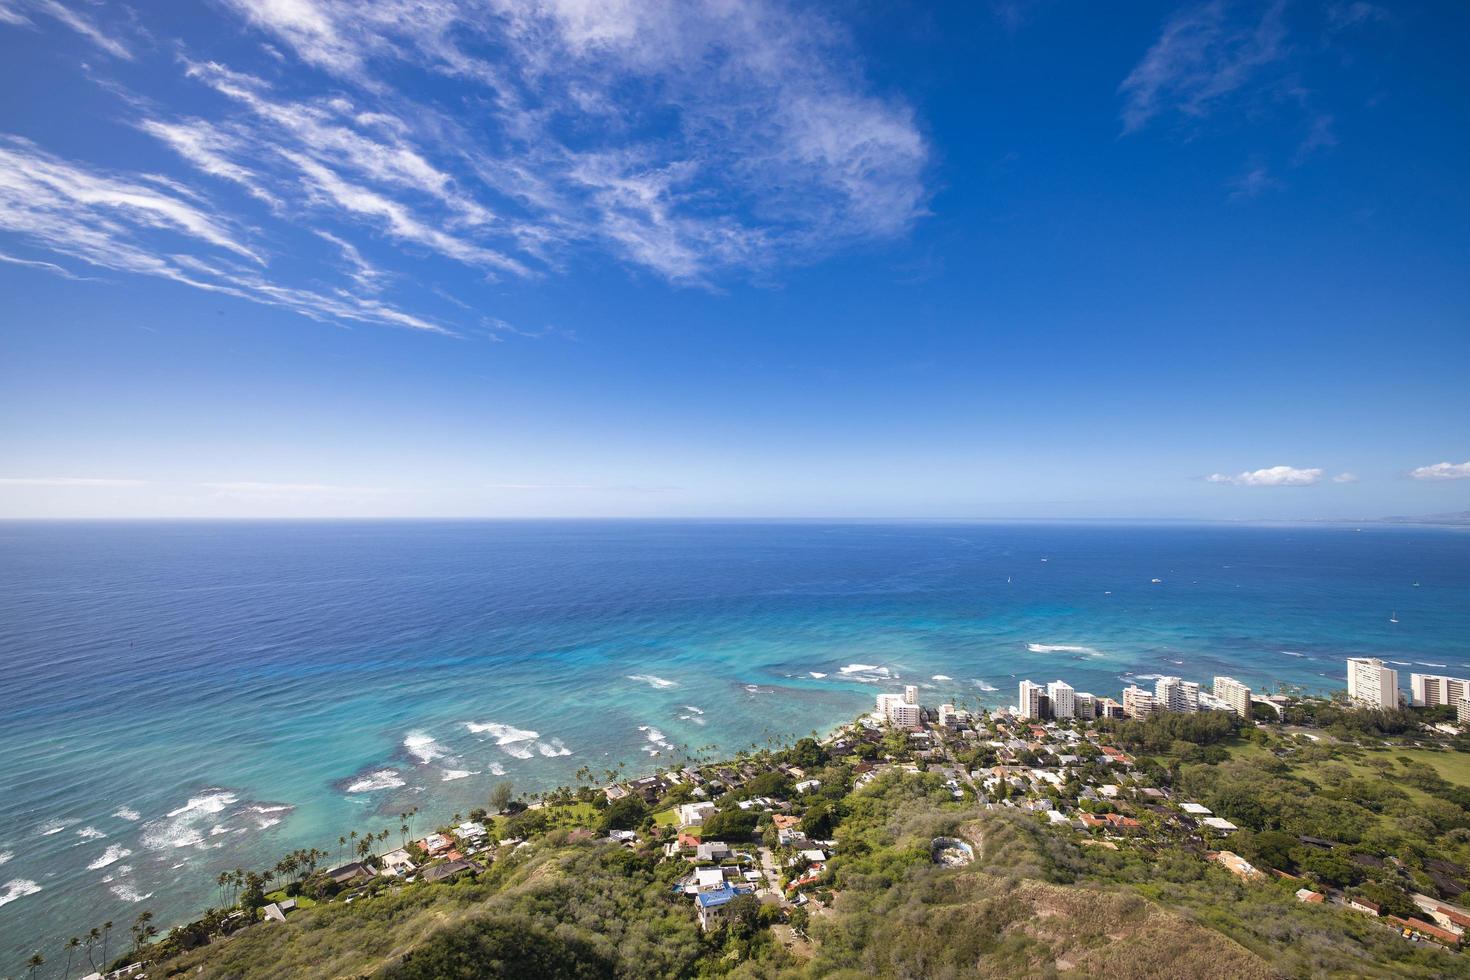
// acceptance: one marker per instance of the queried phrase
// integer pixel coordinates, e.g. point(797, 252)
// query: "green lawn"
point(666, 818)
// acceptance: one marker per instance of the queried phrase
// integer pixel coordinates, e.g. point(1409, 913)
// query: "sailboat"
point(1395, 617)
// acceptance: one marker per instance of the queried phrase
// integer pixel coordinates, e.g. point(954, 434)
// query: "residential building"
point(910, 694)
point(1462, 711)
point(1235, 694)
point(904, 715)
point(1029, 698)
point(1108, 708)
point(1086, 705)
point(1063, 699)
point(1138, 703)
point(885, 705)
point(1371, 684)
point(693, 814)
point(1429, 690)
point(1176, 694)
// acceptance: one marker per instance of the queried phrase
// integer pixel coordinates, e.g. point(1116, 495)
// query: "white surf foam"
point(90, 833)
point(127, 813)
point(519, 743)
point(54, 827)
point(128, 893)
point(1425, 663)
point(941, 677)
point(496, 769)
point(984, 686)
point(184, 826)
point(817, 674)
point(374, 781)
point(553, 748)
point(422, 747)
point(1293, 653)
point(653, 681)
point(449, 775)
point(112, 855)
point(17, 888)
point(694, 708)
point(6, 856)
point(656, 741)
point(1063, 648)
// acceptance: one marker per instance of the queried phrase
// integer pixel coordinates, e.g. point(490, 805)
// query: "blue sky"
point(1020, 259)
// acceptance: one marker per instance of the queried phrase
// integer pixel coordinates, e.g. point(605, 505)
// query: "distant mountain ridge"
point(1459, 518)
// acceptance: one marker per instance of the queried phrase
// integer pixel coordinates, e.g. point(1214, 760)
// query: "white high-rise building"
point(1371, 684)
point(1138, 703)
point(1063, 699)
point(885, 705)
point(910, 694)
point(1235, 694)
point(1176, 694)
point(904, 715)
point(1028, 704)
point(1432, 689)
point(1086, 706)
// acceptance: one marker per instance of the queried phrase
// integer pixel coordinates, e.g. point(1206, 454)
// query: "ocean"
point(184, 698)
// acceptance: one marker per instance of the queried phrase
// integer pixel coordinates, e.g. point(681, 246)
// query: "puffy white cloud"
point(1271, 476)
point(1442, 471)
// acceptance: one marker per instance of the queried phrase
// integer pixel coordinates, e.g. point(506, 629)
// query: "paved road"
point(773, 879)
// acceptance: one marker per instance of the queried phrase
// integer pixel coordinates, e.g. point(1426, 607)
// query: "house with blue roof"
point(711, 904)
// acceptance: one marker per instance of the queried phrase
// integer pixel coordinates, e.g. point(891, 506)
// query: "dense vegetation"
point(1377, 821)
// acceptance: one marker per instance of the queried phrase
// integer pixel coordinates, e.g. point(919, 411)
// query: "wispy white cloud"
point(73, 19)
point(1202, 56)
point(150, 226)
point(1345, 478)
point(1271, 476)
point(67, 481)
point(1255, 181)
point(1442, 471)
point(50, 267)
point(772, 149)
point(257, 490)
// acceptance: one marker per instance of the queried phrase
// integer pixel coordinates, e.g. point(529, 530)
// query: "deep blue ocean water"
point(184, 698)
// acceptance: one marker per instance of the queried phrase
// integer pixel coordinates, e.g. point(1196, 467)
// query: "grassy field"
point(666, 818)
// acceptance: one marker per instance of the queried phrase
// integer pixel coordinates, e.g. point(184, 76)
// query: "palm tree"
point(106, 931)
point(71, 948)
point(93, 935)
point(222, 880)
point(341, 843)
point(403, 831)
point(143, 930)
point(35, 963)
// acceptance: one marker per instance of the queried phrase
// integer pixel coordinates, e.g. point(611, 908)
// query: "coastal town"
point(754, 839)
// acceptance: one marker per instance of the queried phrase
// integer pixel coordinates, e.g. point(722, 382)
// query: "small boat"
point(1156, 581)
point(1416, 585)
point(1395, 617)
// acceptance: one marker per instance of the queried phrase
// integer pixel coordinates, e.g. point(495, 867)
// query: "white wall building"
point(1371, 684)
point(904, 715)
point(910, 694)
point(1138, 703)
point(1063, 699)
point(1028, 704)
point(1086, 705)
point(1176, 694)
point(1235, 694)
point(1432, 689)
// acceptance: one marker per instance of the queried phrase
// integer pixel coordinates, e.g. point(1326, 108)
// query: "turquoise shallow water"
point(185, 698)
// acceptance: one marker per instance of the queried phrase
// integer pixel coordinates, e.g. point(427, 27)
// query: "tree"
point(623, 814)
point(93, 935)
point(106, 931)
point(35, 963)
point(71, 948)
point(500, 796)
point(143, 930)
